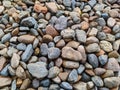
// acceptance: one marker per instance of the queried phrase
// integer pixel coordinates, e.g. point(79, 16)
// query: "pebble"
point(73, 44)
point(51, 31)
point(93, 60)
point(2, 62)
point(44, 49)
point(61, 23)
point(68, 33)
point(91, 48)
point(35, 83)
point(91, 40)
point(101, 35)
point(113, 13)
point(103, 59)
point(71, 54)
point(73, 76)
point(24, 29)
point(27, 53)
point(54, 87)
point(99, 71)
point(90, 84)
point(84, 25)
point(5, 81)
point(27, 39)
point(29, 22)
point(81, 36)
point(7, 4)
point(111, 22)
point(70, 64)
point(52, 7)
point(108, 73)
point(47, 38)
point(109, 82)
point(25, 84)
point(15, 60)
point(81, 69)
point(66, 86)
point(1, 9)
point(106, 46)
point(53, 53)
point(53, 72)
point(60, 43)
point(20, 72)
point(1, 33)
point(110, 37)
point(101, 21)
point(13, 86)
point(112, 64)
point(92, 32)
point(98, 81)
point(63, 76)
point(4, 71)
point(113, 54)
point(80, 86)
point(38, 69)
point(45, 82)
point(21, 46)
point(6, 38)
point(11, 50)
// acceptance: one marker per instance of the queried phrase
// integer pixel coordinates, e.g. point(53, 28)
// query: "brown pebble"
point(63, 76)
point(47, 38)
point(84, 25)
point(60, 43)
point(106, 29)
point(15, 32)
point(90, 72)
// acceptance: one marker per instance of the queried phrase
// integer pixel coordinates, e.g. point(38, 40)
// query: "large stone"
point(5, 81)
point(38, 69)
point(26, 39)
point(71, 54)
point(112, 82)
point(112, 64)
point(27, 54)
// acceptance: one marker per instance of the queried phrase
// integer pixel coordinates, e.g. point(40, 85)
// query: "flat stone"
point(53, 53)
point(66, 85)
point(106, 46)
point(25, 84)
point(93, 60)
point(112, 64)
point(6, 38)
point(26, 39)
point(35, 83)
point(70, 64)
point(21, 46)
point(51, 31)
point(73, 76)
point(52, 7)
point(2, 62)
point(112, 82)
point(92, 32)
point(103, 59)
point(38, 69)
point(27, 53)
point(15, 60)
point(1, 33)
point(99, 71)
point(98, 81)
point(11, 50)
point(13, 86)
point(91, 48)
point(53, 72)
point(54, 87)
point(4, 71)
point(81, 69)
point(80, 86)
point(5, 81)
point(60, 43)
point(81, 36)
point(7, 4)
point(113, 54)
point(90, 84)
point(92, 39)
point(71, 54)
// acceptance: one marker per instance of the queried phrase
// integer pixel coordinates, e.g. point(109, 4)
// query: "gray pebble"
point(93, 60)
point(103, 59)
point(1, 33)
point(24, 28)
point(35, 83)
point(6, 38)
point(34, 32)
point(44, 49)
point(27, 53)
point(98, 81)
point(85, 77)
point(51, 44)
point(21, 46)
point(66, 86)
point(4, 71)
point(54, 87)
point(81, 69)
point(45, 83)
point(67, 3)
point(116, 29)
point(101, 35)
point(101, 21)
point(13, 86)
point(57, 38)
point(92, 2)
point(81, 36)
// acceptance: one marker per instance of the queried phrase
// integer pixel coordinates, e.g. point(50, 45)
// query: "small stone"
point(112, 82)
point(53, 72)
point(101, 21)
point(91, 48)
point(110, 37)
point(113, 54)
point(25, 84)
point(66, 85)
point(15, 60)
point(113, 13)
point(15, 32)
point(20, 72)
point(35, 83)
point(80, 86)
point(1, 9)
point(111, 1)
point(5, 81)
point(71, 54)
point(111, 22)
point(13, 86)
point(57, 38)
point(108, 73)
point(39, 8)
point(1, 33)
point(106, 29)
point(68, 33)
point(112, 64)
point(63, 76)
point(73, 76)
point(45, 82)
point(91, 40)
point(54, 87)
point(103, 59)
point(84, 25)
point(92, 32)
point(26, 39)
point(38, 69)
point(90, 84)
point(93, 60)
point(2, 62)
point(61, 23)
point(81, 69)
point(4, 71)
point(53, 53)
point(81, 36)
point(47, 38)
point(51, 31)
point(92, 2)
point(59, 62)
point(52, 7)
point(99, 71)
point(11, 50)
point(101, 35)
point(44, 49)
point(70, 64)
point(29, 22)
point(27, 53)
point(85, 77)
point(106, 46)
point(11, 71)
point(73, 44)
point(60, 43)
point(67, 3)
point(7, 4)
point(57, 80)
point(6, 38)
point(21, 46)
point(98, 81)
